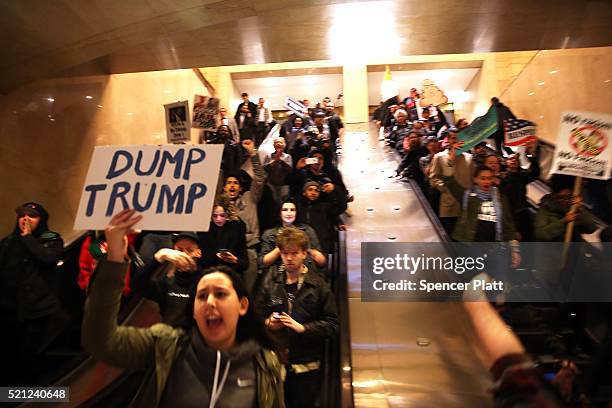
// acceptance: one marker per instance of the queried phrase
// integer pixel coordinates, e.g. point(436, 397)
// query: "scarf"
point(492, 195)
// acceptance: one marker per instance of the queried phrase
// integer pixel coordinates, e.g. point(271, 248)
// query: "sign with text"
point(295, 106)
point(583, 145)
point(519, 132)
point(205, 112)
point(178, 126)
point(172, 186)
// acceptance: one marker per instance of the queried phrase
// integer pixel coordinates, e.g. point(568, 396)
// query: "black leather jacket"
point(313, 307)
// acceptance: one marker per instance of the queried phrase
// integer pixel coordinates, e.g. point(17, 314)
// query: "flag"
point(518, 132)
point(481, 128)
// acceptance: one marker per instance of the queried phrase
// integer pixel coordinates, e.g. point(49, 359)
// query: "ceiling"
point(42, 38)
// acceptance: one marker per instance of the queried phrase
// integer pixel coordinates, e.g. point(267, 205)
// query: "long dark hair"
point(250, 326)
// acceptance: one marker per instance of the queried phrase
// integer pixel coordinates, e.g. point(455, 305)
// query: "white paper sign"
point(583, 145)
point(178, 123)
point(295, 106)
point(172, 186)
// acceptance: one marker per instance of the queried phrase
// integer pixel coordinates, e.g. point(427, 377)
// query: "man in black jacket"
point(503, 113)
point(178, 274)
point(252, 108)
point(299, 309)
point(30, 312)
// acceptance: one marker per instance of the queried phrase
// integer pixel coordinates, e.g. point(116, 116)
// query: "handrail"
point(346, 365)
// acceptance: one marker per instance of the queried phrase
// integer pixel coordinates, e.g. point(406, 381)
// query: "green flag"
point(481, 128)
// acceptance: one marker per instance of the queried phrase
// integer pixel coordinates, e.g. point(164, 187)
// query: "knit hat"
point(311, 183)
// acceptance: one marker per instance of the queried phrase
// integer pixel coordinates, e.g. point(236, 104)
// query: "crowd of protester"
point(248, 305)
point(480, 195)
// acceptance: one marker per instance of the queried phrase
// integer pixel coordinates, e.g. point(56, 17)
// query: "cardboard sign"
point(294, 106)
point(583, 145)
point(205, 112)
point(177, 122)
point(172, 186)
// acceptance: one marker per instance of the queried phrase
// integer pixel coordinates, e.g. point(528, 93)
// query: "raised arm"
point(121, 346)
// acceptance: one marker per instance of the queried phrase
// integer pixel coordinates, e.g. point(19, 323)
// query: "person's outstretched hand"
point(116, 233)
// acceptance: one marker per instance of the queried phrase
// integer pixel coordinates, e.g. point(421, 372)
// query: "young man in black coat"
point(299, 310)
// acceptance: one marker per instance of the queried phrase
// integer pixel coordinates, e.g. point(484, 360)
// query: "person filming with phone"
point(300, 312)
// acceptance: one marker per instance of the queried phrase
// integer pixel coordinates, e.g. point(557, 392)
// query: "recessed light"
point(554, 71)
point(531, 93)
point(50, 99)
point(130, 113)
point(99, 106)
point(541, 83)
point(88, 97)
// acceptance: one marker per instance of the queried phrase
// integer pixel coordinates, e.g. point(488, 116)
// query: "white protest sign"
point(294, 106)
point(172, 186)
point(178, 122)
point(583, 145)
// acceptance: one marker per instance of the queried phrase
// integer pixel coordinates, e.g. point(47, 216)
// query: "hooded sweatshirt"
point(200, 373)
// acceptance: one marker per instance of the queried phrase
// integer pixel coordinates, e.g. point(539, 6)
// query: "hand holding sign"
point(116, 233)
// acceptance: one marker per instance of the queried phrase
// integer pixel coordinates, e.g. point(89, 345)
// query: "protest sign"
point(583, 145)
point(294, 106)
point(481, 128)
point(518, 132)
point(205, 112)
point(172, 186)
point(177, 122)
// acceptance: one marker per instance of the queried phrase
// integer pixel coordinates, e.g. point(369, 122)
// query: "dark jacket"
point(171, 294)
point(252, 109)
point(465, 229)
point(410, 167)
point(232, 236)
point(503, 113)
point(550, 227)
point(27, 273)
point(514, 185)
point(154, 349)
point(313, 307)
point(321, 215)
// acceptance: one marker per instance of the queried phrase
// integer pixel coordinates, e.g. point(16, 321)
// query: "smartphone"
point(312, 160)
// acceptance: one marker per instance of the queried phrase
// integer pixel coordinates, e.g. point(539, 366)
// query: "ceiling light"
point(99, 106)
point(88, 97)
point(50, 99)
point(531, 93)
point(554, 71)
point(541, 83)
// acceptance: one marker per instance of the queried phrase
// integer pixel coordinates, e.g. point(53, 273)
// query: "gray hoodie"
point(199, 369)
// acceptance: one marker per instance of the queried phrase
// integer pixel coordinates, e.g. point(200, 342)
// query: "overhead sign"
point(178, 126)
point(583, 145)
point(172, 186)
point(481, 128)
point(205, 112)
point(518, 132)
point(294, 106)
